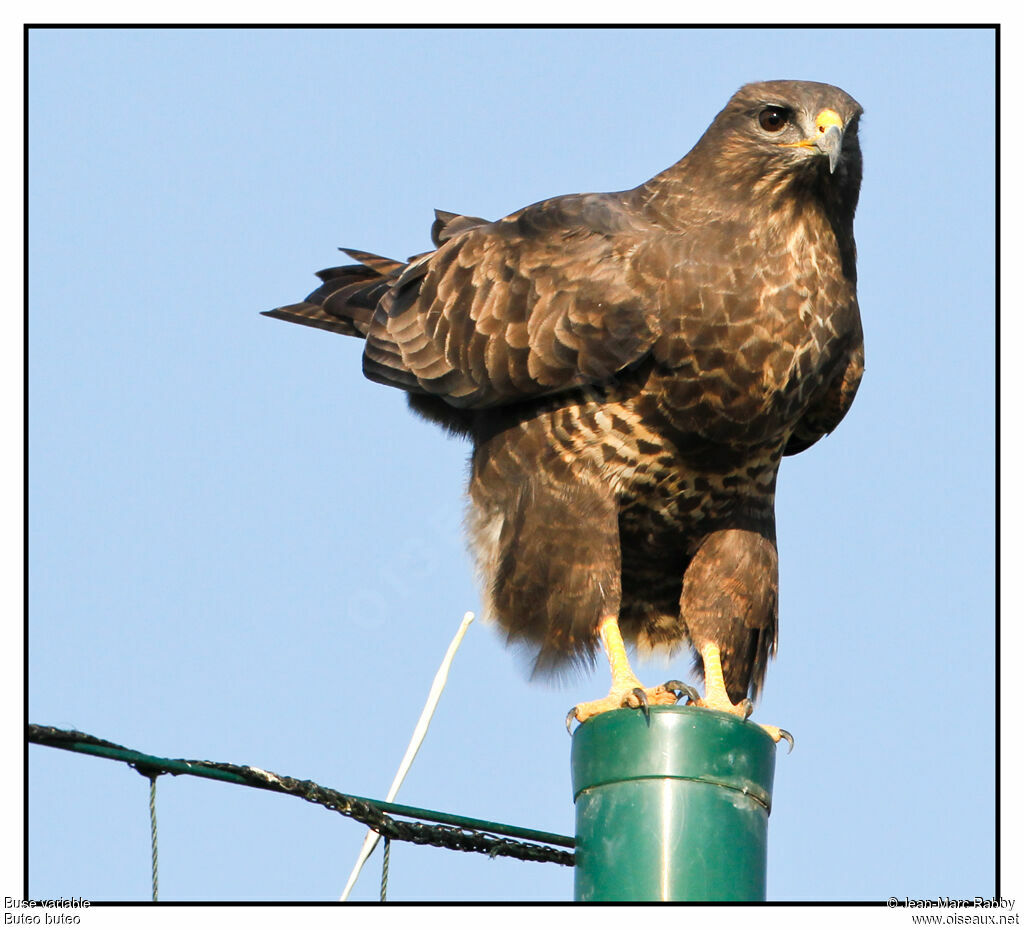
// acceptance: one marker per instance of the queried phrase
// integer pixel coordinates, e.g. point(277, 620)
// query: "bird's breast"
point(740, 362)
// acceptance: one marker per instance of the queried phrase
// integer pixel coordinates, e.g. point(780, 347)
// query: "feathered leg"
point(551, 553)
point(728, 603)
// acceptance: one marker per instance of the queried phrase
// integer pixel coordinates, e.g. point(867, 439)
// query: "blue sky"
point(241, 550)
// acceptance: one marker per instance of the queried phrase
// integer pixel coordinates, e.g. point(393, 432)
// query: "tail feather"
point(349, 295)
point(383, 266)
point(311, 315)
point(346, 300)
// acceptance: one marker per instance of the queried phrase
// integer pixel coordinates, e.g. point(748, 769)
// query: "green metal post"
point(671, 810)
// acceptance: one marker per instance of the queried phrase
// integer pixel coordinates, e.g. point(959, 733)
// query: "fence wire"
point(448, 831)
point(152, 837)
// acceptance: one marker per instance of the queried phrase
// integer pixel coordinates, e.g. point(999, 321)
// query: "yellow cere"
point(824, 121)
point(827, 118)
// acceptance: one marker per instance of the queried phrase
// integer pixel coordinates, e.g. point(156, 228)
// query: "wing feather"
point(542, 301)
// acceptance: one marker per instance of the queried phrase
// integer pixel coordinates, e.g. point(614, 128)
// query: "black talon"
point(748, 707)
point(641, 696)
point(569, 718)
point(692, 695)
point(788, 737)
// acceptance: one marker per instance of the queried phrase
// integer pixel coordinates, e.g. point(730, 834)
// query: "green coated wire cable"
point(454, 831)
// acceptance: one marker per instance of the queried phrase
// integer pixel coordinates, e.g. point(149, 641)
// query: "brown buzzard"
point(631, 368)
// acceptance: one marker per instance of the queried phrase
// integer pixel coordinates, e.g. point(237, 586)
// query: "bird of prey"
point(631, 368)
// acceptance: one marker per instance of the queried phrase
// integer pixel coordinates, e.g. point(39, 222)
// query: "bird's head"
point(776, 132)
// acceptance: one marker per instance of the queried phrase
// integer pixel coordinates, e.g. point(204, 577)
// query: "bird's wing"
point(834, 400)
point(553, 297)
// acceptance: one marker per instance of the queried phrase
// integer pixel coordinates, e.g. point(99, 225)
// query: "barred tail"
point(347, 299)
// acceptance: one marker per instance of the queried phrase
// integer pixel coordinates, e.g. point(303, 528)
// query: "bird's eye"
point(772, 119)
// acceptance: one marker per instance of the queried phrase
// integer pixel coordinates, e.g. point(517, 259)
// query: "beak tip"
point(830, 144)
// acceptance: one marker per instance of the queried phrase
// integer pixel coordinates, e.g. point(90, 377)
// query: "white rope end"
point(420, 731)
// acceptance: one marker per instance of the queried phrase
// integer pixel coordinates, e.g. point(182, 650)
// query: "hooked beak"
point(827, 137)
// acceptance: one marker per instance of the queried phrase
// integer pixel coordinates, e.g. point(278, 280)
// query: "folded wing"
point(551, 298)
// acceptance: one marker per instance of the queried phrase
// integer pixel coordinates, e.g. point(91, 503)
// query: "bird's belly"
point(664, 478)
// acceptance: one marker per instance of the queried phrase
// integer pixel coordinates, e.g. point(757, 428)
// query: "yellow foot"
point(629, 693)
point(777, 733)
point(716, 698)
point(743, 711)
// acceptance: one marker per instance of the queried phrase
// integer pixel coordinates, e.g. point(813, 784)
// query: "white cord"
point(370, 843)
